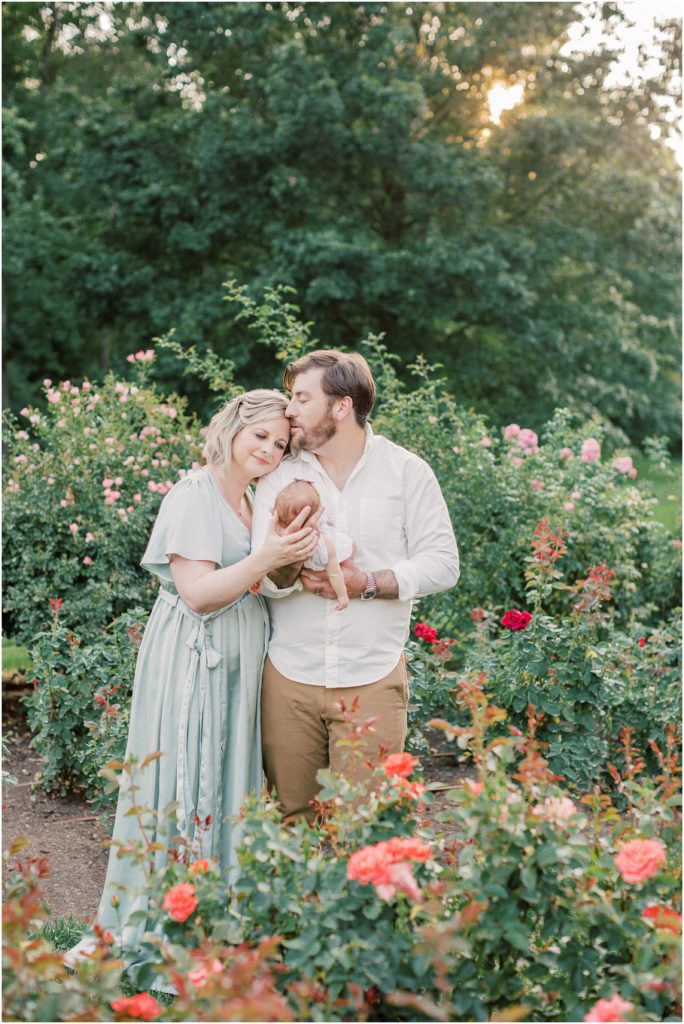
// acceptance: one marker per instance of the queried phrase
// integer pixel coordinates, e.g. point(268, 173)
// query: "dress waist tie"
point(204, 657)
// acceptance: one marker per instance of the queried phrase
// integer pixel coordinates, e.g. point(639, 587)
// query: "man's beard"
point(314, 438)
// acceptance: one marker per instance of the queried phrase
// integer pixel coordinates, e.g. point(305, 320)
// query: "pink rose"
point(74, 528)
point(89, 537)
point(486, 442)
point(556, 809)
point(568, 506)
point(536, 485)
point(576, 495)
point(626, 466)
point(517, 462)
point(609, 1009)
point(528, 441)
point(591, 450)
point(87, 560)
point(511, 431)
point(640, 859)
point(566, 453)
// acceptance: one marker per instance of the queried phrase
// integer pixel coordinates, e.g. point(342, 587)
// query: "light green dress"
point(195, 698)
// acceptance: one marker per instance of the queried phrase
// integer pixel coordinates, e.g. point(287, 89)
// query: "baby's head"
point(292, 499)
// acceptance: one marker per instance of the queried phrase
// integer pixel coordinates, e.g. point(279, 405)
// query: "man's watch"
point(371, 590)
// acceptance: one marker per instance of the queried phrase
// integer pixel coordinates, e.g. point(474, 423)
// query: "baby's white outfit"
point(344, 546)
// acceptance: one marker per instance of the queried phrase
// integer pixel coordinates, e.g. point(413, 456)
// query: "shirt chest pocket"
point(382, 528)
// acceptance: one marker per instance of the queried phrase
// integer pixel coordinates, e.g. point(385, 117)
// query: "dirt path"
point(65, 830)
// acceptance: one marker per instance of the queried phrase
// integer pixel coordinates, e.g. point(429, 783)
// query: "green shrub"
point(83, 483)
point(536, 909)
point(78, 711)
point(588, 678)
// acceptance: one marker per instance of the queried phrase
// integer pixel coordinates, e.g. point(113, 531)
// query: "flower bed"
point(545, 908)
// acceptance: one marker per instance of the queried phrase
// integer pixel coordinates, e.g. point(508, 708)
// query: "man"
point(388, 500)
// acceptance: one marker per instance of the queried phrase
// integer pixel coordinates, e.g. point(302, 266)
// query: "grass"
point(666, 487)
point(63, 932)
point(14, 657)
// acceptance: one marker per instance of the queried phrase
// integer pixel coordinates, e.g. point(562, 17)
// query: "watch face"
point(368, 595)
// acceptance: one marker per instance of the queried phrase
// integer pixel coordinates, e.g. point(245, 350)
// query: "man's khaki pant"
point(301, 724)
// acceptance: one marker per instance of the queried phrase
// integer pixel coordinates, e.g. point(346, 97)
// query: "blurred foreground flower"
point(640, 859)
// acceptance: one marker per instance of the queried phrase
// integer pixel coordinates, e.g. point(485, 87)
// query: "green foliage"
point(129, 440)
point(347, 151)
point(528, 913)
point(78, 711)
point(14, 657)
point(82, 489)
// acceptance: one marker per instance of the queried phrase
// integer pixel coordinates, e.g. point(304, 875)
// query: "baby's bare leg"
point(335, 575)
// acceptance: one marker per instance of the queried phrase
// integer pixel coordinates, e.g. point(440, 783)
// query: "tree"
point(347, 150)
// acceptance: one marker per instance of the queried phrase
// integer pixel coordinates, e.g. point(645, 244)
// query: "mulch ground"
point(72, 836)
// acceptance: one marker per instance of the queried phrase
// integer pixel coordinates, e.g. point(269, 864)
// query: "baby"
point(331, 550)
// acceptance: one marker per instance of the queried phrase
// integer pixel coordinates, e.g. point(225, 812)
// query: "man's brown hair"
point(345, 374)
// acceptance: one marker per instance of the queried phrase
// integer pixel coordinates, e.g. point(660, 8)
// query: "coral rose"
point(400, 764)
point(180, 901)
point(408, 848)
point(399, 879)
point(199, 867)
point(609, 1009)
point(140, 1007)
point(640, 859)
point(385, 866)
point(664, 918)
point(514, 619)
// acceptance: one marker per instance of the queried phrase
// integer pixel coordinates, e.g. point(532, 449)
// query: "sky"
point(643, 14)
point(587, 34)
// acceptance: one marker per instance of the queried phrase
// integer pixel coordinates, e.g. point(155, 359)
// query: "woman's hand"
point(291, 544)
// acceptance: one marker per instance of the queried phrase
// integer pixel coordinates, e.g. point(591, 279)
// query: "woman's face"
point(258, 448)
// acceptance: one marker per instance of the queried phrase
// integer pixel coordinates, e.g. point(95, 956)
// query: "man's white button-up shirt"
point(393, 508)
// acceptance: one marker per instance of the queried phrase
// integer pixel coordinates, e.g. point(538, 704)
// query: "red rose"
point(141, 1007)
point(643, 641)
point(514, 619)
point(425, 632)
point(180, 901)
point(477, 614)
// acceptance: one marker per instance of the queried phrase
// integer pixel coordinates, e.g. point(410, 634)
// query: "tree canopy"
point(153, 151)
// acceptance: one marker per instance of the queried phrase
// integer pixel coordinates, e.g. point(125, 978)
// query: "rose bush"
point(83, 480)
point(521, 910)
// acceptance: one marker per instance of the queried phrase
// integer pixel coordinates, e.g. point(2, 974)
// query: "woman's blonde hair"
point(248, 408)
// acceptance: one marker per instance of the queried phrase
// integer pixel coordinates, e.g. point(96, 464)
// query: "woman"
point(198, 675)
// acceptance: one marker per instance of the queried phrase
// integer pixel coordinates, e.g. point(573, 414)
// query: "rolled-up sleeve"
point(432, 564)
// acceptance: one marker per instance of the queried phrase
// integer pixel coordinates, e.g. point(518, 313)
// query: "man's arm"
point(432, 562)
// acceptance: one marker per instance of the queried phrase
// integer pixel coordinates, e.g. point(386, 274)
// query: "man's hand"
point(317, 582)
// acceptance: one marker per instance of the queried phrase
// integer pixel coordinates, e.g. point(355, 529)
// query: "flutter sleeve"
point(188, 524)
